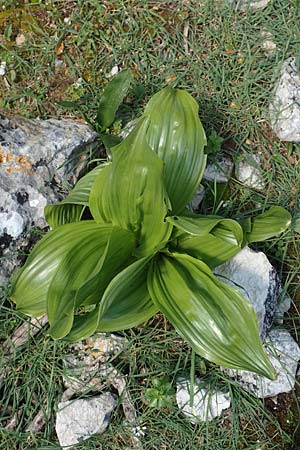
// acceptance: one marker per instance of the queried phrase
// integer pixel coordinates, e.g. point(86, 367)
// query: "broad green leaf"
point(269, 224)
point(83, 264)
point(175, 133)
point(110, 141)
point(84, 325)
point(130, 193)
point(112, 97)
point(62, 213)
point(126, 302)
point(217, 321)
point(212, 239)
point(30, 285)
point(115, 258)
point(70, 209)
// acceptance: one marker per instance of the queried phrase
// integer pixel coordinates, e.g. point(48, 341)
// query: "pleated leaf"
point(112, 97)
point(175, 133)
point(82, 263)
point(126, 303)
point(217, 321)
point(212, 239)
point(130, 193)
point(31, 283)
point(269, 224)
point(70, 209)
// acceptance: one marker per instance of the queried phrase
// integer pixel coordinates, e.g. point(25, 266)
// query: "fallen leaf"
point(60, 48)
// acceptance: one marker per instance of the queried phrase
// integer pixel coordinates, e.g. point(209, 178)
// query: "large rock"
point(36, 158)
point(207, 403)
point(285, 105)
point(253, 275)
point(78, 420)
point(284, 354)
point(243, 5)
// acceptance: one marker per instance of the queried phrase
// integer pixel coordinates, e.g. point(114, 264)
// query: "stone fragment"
point(207, 403)
point(2, 68)
point(284, 354)
point(248, 172)
point(285, 105)
point(197, 199)
point(243, 5)
point(252, 274)
point(37, 157)
point(268, 45)
point(220, 170)
point(78, 420)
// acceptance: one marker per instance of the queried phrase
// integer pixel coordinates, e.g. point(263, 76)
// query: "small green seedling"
point(161, 395)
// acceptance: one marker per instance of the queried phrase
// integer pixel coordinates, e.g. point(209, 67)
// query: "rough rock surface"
point(77, 420)
point(219, 170)
point(197, 199)
point(249, 173)
point(207, 404)
point(252, 274)
point(246, 4)
point(285, 105)
point(284, 354)
point(36, 158)
point(86, 358)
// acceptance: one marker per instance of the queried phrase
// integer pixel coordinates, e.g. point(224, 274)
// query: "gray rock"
point(284, 354)
point(285, 106)
point(78, 420)
point(37, 157)
point(252, 274)
point(220, 170)
point(208, 403)
point(197, 199)
point(83, 365)
point(243, 5)
point(249, 173)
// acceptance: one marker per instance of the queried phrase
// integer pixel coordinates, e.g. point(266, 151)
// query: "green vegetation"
point(216, 54)
point(143, 252)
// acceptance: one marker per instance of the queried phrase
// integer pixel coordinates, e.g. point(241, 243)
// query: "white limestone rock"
point(243, 5)
point(285, 105)
point(36, 158)
point(78, 420)
point(252, 274)
point(249, 173)
point(284, 354)
point(11, 223)
point(220, 170)
point(207, 404)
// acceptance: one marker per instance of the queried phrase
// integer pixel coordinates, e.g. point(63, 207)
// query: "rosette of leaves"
point(142, 251)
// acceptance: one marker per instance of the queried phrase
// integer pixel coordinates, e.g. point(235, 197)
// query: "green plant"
point(161, 394)
point(214, 144)
point(110, 100)
point(143, 251)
